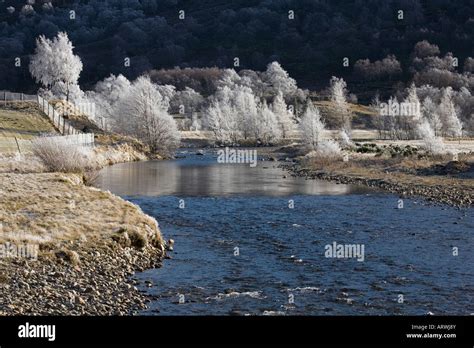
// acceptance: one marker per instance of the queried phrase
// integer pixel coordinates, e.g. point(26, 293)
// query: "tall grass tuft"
point(61, 155)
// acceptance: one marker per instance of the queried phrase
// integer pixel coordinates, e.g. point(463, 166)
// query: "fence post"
point(18, 145)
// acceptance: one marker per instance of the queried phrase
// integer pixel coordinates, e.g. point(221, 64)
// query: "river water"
point(256, 241)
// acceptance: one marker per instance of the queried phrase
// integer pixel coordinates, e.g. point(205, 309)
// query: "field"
point(22, 121)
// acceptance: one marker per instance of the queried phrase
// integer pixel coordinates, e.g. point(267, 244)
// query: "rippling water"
point(241, 249)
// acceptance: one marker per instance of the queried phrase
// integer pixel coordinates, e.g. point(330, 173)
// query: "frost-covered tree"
point(246, 106)
point(267, 129)
point(27, 10)
point(431, 113)
point(221, 117)
point(186, 102)
point(229, 79)
point(236, 115)
point(431, 142)
point(344, 139)
point(342, 109)
point(143, 114)
point(284, 116)
point(311, 126)
point(469, 65)
point(253, 80)
point(412, 102)
point(424, 49)
point(106, 97)
point(278, 80)
point(452, 126)
point(167, 92)
point(55, 66)
point(421, 125)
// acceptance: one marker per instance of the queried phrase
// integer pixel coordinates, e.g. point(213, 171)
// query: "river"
point(256, 241)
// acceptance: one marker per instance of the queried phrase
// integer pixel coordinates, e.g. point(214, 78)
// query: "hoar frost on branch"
point(313, 134)
point(423, 128)
point(55, 66)
point(236, 115)
point(342, 109)
point(278, 80)
point(106, 97)
point(284, 116)
point(144, 115)
point(452, 126)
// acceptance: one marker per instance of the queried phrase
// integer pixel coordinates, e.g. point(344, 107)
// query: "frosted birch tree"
point(452, 126)
point(311, 126)
point(421, 125)
point(106, 97)
point(431, 113)
point(221, 117)
point(342, 109)
point(284, 116)
point(55, 65)
point(143, 114)
point(267, 128)
point(278, 80)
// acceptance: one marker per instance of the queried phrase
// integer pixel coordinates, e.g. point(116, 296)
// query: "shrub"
point(434, 146)
point(328, 149)
point(326, 152)
point(61, 155)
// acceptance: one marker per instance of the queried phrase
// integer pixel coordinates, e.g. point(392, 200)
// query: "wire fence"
point(11, 145)
point(6, 96)
point(64, 126)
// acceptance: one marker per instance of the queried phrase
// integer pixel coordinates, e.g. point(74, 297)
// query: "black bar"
point(240, 330)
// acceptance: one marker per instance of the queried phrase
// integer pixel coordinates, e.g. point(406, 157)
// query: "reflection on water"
point(203, 176)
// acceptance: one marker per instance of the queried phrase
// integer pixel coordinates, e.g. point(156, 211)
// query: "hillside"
point(310, 43)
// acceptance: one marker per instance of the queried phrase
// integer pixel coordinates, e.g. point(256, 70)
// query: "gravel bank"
point(440, 191)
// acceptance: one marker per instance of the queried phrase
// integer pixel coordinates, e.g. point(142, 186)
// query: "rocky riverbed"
point(99, 284)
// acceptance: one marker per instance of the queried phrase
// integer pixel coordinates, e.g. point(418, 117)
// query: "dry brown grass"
point(23, 120)
point(401, 170)
point(102, 156)
point(58, 154)
point(53, 209)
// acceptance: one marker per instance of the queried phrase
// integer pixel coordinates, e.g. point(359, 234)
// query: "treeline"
point(310, 38)
point(259, 107)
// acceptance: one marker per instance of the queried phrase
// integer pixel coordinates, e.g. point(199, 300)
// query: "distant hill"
point(309, 38)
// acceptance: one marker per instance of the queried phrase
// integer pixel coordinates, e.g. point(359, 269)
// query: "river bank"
point(70, 249)
point(437, 180)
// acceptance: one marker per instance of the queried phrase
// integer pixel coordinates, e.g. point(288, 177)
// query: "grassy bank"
point(84, 244)
point(67, 248)
point(438, 179)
